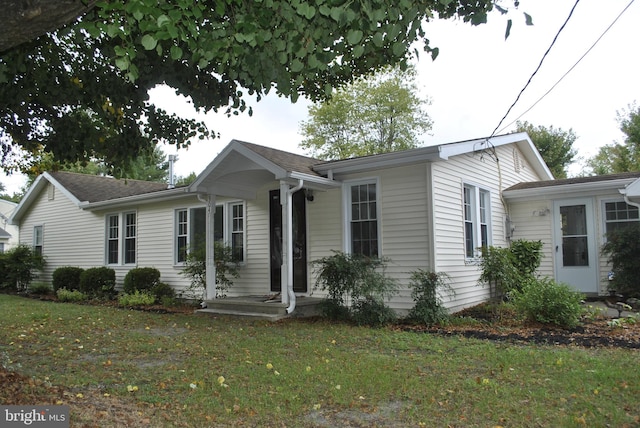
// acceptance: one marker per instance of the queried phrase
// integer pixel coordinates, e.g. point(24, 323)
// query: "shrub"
point(356, 279)
point(40, 288)
point(18, 266)
point(163, 292)
point(623, 249)
point(65, 295)
point(141, 279)
point(137, 298)
point(67, 277)
point(98, 282)
point(506, 269)
point(372, 312)
point(425, 291)
point(548, 302)
point(226, 269)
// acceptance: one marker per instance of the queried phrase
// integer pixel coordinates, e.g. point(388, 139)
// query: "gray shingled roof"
point(4, 234)
point(575, 180)
point(285, 160)
point(94, 188)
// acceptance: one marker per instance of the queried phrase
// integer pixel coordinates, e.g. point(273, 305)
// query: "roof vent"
point(172, 182)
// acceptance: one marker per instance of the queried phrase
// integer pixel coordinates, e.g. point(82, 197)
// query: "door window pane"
point(575, 250)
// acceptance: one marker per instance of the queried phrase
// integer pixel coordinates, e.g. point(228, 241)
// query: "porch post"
point(284, 268)
point(210, 263)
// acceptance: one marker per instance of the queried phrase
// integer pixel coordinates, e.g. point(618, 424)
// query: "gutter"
point(290, 292)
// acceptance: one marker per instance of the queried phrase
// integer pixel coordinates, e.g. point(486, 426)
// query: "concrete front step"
point(259, 307)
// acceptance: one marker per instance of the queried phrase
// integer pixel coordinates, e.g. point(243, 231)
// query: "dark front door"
point(299, 241)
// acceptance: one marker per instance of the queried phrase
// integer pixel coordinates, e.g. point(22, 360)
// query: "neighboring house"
point(427, 208)
point(8, 232)
point(572, 217)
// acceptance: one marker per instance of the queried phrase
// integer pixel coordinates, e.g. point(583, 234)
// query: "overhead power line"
point(537, 68)
point(570, 69)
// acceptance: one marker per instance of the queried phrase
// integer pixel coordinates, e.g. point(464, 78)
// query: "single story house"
point(427, 208)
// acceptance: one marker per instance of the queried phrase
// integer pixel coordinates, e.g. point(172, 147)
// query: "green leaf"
point(398, 49)
point(149, 42)
point(358, 50)
point(508, 31)
point(354, 36)
point(296, 65)
point(122, 63)
point(528, 18)
point(176, 53)
point(163, 20)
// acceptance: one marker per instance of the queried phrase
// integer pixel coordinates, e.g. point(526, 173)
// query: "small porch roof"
point(632, 192)
point(241, 168)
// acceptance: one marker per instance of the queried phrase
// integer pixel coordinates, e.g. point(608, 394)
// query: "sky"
point(475, 79)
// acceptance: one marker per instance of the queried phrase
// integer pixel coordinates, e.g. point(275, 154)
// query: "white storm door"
point(575, 251)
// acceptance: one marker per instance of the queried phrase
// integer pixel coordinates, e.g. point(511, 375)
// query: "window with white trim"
point(121, 238)
point(363, 219)
point(190, 229)
point(38, 239)
point(619, 215)
point(477, 219)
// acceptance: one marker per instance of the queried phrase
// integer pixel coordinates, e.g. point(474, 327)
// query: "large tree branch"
point(25, 20)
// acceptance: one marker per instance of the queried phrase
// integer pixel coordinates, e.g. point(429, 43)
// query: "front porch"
point(267, 307)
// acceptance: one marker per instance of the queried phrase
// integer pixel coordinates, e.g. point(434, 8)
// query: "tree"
point(555, 146)
point(81, 92)
point(378, 114)
point(620, 157)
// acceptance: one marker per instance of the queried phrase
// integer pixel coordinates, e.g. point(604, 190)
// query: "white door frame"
point(582, 270)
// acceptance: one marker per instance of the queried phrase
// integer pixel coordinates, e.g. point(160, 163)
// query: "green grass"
point(300, 373)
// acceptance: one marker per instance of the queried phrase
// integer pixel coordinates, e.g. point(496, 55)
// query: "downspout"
point(210, 264)
point(290, 293)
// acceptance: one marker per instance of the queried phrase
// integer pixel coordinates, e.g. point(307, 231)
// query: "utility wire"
point(536, 70)
point(571, 69)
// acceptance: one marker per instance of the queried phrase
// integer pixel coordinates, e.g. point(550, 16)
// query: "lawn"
point(118, 367)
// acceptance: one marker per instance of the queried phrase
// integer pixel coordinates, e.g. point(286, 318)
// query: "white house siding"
point(448, 177)
point(324, 230)
point(69, 233)
point(533, 221)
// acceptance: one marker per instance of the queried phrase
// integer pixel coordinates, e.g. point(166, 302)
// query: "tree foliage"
point(555, 146)
point(81, 92)
point(620, 157)
point(379, 113)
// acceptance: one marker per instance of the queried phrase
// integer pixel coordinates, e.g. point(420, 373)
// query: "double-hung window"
point(38, 240)
point(477, 219)
point(228, 228)
point(363, 219)
point(121, 236)
point(619, 215)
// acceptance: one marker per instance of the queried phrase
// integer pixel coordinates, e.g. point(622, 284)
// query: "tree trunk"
point(25, 20)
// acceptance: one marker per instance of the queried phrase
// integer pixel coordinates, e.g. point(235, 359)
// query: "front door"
point(299, 241)
point(575, 251)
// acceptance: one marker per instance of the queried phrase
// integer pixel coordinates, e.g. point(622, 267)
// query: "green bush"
point(65, 295)
point(137, 298)
point(354, 279)
point(425, 291)
point(18, 266)
point(163, 292)
point(39, 288)
point(623, 251)
point(506, 269)
point(141, 279)
point(226, 269)
point(67, 277)
point(98, 282)
point(548, 302)
point(372, 312)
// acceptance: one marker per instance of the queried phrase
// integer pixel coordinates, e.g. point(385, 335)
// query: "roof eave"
point(159, 196)
point(563, 189)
